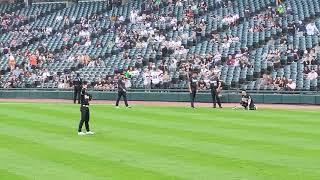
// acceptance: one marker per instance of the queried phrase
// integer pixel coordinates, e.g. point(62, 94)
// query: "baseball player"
point(246, 102)
point(215, 86)
point(193, 86)
point(122, 91)
point(85, 112)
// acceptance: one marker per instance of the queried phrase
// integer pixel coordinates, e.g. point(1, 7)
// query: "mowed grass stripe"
point(174, 167)
point(33, 168)
point(217, 118)
point(283, 114)
point(305, 134)
point(5, 174)
point(91, 166)
point(229, 130)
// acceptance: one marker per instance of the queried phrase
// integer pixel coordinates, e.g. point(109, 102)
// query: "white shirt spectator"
point(91, 64)
point(179, 3)
point(155, 77)
point(45, 74)
point(217, 57)
point(133, 16)
point(291, 85)
point(61, 85)
point(312, 75)
point(88, 43)
point(121, 19)
point(146, 78)
point(311, 29)
point(48, 30)
point(134, 73)
point(216, 71)
point(11, 57)
point(160, 75)
point(70, 59)
point(59, 18)
point(128, 83)
point(16, 72)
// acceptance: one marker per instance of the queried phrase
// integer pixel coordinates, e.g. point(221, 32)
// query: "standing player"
point(246, 101)
point(193, 86)
point(77, 88)
point(85, 112)
point(122, 91)
point(215, 86)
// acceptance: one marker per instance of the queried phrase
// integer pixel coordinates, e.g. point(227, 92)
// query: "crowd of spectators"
point(10, 20)
point(148, 28)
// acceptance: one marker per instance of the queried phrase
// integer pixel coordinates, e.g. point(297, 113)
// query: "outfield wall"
point(227, 96)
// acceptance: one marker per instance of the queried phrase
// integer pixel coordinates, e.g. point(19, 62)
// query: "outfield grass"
point(39, 141)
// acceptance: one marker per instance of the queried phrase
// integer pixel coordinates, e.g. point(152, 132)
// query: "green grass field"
point(39, 141)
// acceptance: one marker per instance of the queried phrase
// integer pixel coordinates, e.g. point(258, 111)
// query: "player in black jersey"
point(193, 87)
point(247, 102)
point(122, 91)
point(215, 87)
point(85, 112)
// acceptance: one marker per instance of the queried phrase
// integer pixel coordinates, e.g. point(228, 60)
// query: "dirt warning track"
point(159, 103)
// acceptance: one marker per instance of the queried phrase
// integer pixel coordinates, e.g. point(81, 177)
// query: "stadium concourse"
point(249, 44)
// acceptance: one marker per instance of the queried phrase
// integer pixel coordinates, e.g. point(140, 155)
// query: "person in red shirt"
point(33, 61)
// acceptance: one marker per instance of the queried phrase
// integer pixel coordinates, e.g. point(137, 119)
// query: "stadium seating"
point(64, 39)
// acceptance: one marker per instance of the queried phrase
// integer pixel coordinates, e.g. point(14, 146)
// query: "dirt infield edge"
point(161, 103)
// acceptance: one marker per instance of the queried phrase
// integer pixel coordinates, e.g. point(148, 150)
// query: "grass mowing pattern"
point(39, 141)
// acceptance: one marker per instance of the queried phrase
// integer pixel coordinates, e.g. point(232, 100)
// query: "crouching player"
point(246, 102)
point(85, 112)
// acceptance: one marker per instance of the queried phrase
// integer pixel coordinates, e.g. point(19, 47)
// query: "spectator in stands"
point(311, 29)
point(128, 83)
point(283, 83)
point(155, 79)
point(33, 61)
point(306, 70)
point(11, 62)
point(277, 83)
point(147, 79)
point(61, 85)
point(45, 75)
point(281, 10)
point(290, 86)
point(16, 72)
point(318, 70)
point(128, 74)
point(202, 85)
point(166, 80)
point(266, 80)
point(312, 75)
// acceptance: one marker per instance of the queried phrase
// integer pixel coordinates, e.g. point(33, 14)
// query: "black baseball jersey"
point(85, 97)
point(245, 102)
point(121, 85)
point(193, 83)
point(77, 82)
point(214, 83)
point(245, 98)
